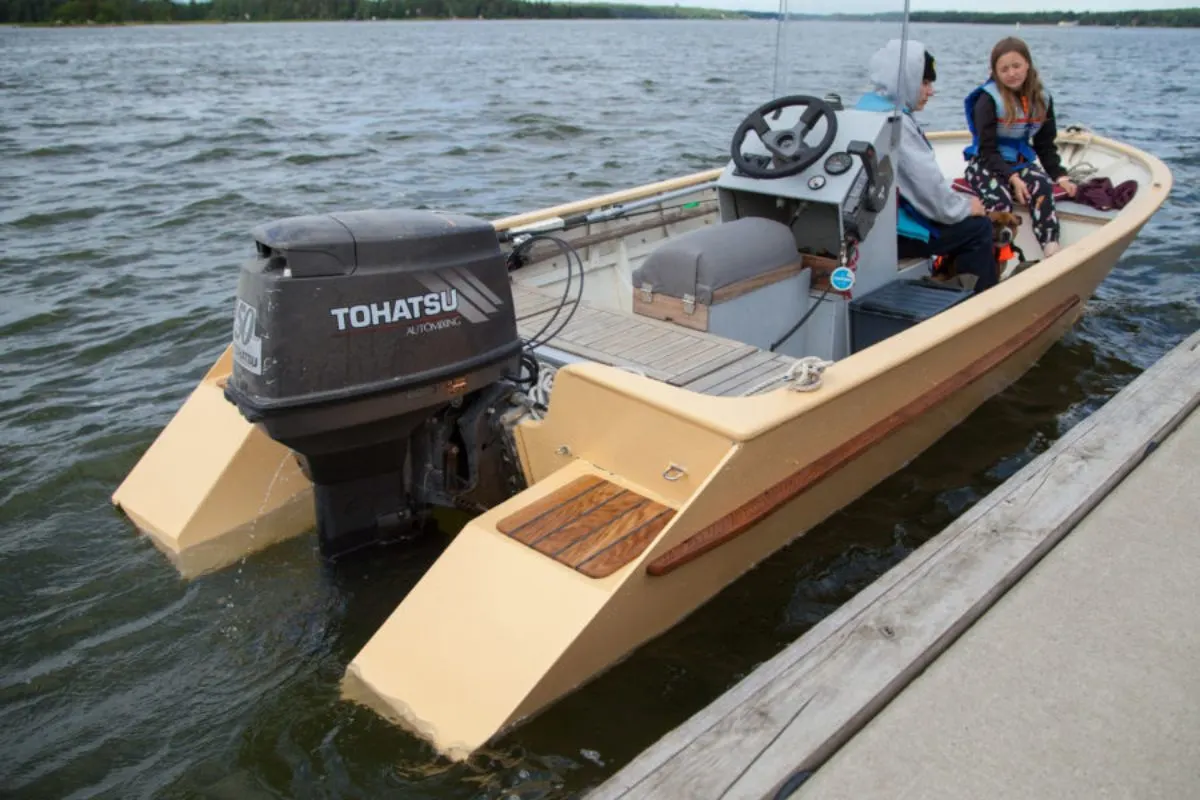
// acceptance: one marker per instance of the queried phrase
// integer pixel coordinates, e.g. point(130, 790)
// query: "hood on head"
point(884, 70)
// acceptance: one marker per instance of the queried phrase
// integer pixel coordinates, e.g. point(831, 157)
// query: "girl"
point(1011, 119)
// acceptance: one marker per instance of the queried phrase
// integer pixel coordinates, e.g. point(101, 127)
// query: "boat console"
point(824, 177)
point(830, 194)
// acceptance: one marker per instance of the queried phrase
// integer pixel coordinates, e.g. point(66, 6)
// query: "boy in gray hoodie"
point(934, 218)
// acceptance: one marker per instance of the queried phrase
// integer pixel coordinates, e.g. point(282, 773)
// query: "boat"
point(636, 397)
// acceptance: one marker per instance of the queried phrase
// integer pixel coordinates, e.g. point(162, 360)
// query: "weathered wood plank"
point(586, 322)
point(794, 711)
point(712, 379)
point(624, 337)
point(669, 342)
point(779, 367)
point(611, 324)
point(701, 350)
point(666, 352)
point(529, 302)
point(648, 342)
point(713, 364)
point(750, 377)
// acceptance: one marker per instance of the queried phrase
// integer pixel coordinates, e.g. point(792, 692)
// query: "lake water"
point(133, 163)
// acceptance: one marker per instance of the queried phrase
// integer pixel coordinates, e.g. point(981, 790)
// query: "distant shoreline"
point(75, 14)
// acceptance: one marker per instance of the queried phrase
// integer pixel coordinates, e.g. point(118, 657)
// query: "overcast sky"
point(870, 6)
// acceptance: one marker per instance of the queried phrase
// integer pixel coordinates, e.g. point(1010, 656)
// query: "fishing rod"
point(550, 224)
point(900, 88)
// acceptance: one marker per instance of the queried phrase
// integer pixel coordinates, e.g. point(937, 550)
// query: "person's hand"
point(977, 209)
point(1020, 191)
point(1068, 186)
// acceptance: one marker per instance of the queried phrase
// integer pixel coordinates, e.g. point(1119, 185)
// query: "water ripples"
point(133, 164)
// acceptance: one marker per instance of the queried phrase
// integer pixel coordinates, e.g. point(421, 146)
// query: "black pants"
point(969, 241)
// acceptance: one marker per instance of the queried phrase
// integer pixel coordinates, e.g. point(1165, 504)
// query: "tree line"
point(120, 11)
point(1164, 18)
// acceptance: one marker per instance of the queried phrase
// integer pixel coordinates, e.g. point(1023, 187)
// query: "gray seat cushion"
point(702, 261)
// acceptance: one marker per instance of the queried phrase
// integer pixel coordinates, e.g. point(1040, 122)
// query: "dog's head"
point(1004, 226)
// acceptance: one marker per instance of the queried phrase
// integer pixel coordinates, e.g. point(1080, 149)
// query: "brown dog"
point(1004, 227)
point(1004, 236)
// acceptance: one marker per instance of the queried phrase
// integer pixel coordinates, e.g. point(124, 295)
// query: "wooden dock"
point(1043, 645)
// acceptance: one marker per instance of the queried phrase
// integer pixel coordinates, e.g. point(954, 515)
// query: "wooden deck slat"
point(692, 359)
point(591, 525)
point(751, 361)
point(618, 528)
point(712, 365)
point(584, 321)
point(749, 378)
point(548, 503)
point(669, 342)
point(586, 326)
point(582, 317)
point(686, 359)
point(584, 504)
point(666, 356)
point(623, 337)
point(581, 528)
point(615, 325)
point(651, 344)
point(628, 547)
point(528, 301)
point(779, 366)
point(606, 358)
point(584, 312)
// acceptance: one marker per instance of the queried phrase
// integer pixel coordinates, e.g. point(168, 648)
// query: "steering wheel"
point(790, 154)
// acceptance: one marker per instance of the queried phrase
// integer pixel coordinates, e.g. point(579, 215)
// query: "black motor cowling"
point(366, 342)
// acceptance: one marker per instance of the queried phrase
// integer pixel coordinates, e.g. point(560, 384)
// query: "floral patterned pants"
point(996, 195)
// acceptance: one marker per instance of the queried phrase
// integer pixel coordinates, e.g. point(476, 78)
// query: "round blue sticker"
point(842, 279)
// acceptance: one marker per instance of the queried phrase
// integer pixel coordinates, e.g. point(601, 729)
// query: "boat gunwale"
point(745, 418)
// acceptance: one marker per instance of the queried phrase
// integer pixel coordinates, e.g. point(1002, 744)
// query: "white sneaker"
point(1050, 248)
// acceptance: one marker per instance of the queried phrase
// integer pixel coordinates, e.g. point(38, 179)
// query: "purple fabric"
point(1100, 193)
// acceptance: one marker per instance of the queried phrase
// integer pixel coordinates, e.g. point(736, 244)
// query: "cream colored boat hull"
point(496, 630)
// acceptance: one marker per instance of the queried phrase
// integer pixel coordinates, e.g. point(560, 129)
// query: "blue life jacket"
point(910, 223)
point(873, 101)
point(1013, 139)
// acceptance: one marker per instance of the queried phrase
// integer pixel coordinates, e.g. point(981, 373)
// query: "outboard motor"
point(380, 347)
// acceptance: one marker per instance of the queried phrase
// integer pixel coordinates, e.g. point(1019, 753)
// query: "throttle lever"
point(874, 195)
